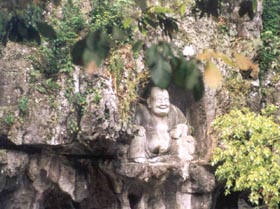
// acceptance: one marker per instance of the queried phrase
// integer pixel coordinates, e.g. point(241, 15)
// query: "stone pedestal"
point(161, 185)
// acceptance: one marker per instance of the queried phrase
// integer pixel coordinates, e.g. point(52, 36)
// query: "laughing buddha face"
point(158, 102)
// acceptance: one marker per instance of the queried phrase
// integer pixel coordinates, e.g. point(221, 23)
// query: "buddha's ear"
point(149, 102)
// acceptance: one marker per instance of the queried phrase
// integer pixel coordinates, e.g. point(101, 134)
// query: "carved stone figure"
point(161, 130)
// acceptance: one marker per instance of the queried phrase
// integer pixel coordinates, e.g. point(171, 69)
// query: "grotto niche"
point(160, 169)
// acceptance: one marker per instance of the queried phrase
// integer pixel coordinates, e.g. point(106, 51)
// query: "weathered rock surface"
point(47, 163)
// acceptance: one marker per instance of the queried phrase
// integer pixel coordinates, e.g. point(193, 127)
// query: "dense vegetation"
point(269, 54)
point(248, 154)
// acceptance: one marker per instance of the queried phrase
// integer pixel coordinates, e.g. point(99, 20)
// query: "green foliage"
point(98, 45)
point(9, 119)
point(116, 68)
point(48, 86)
point(79, 101)
point(51, 85)
point(213, 7)
point(167, 66)
point(157, 59)
point(18, 24)
point(72, 21)
point(270, 111)
point(106, 14)
point(156, 17)
point(23, 104)
point(3, 20)
point(33, 13)
point(269, 53)
point(271, 16)
point(46, 30)
point(72, 125)
point(126, 79)
point(106, 30)
point(248, 155)
point(223, 28)
point(61, 35)
point(96, 97)
point(95, 46)
point(238, 90)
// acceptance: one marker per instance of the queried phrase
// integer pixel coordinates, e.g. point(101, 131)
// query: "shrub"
point(270, 52)
point(248, 155)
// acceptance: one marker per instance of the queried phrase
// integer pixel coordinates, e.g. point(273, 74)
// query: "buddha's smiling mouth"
point(163, 107)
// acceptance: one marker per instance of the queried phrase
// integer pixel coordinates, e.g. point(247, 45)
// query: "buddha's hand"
point(179, 131)
point(140, 130)
point(140, 160)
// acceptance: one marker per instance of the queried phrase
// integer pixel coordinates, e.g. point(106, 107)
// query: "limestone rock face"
point(247, 27)
point(47, 163)
point(164, 185)
point(100, 116)
point(13, 84)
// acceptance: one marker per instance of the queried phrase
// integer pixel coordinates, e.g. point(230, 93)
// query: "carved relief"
point(162, 132)
point(161, 171)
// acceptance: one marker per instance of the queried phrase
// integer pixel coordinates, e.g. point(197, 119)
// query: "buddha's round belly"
point(159, 143)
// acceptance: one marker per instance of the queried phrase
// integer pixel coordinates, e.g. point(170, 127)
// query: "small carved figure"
point(157, 125)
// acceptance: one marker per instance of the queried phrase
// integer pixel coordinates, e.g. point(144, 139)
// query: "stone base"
point(162, 185)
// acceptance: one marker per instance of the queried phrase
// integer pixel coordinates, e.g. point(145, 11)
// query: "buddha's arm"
point(180, 130)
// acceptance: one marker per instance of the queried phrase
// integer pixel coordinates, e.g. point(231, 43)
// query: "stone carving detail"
point(161, 171)
point(161, 131)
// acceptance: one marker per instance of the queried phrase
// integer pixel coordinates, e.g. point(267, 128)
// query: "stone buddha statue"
point(157, 125)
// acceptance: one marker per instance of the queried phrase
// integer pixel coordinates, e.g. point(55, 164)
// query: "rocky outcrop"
point(57, 152)
point(63, 144)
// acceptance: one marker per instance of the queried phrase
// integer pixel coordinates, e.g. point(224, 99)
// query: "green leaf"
point(127, 22)
point(198, 89)
point(118, 34)
point(151, 22)
point(165, 49)
point(98, 45)
point(56, 2)
point(183, 9)
point(151, 55)
point(187, 75)
point(22, 29)
point(160, 9)
point(89, 56)
point(98, 40)
point(137, 46)
point(192, 75)
point(161, 73)
point(33, 35)
point(142, 4)
point(46, 30)
point(179, 72)
point(157, 61)
point(77, 52)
